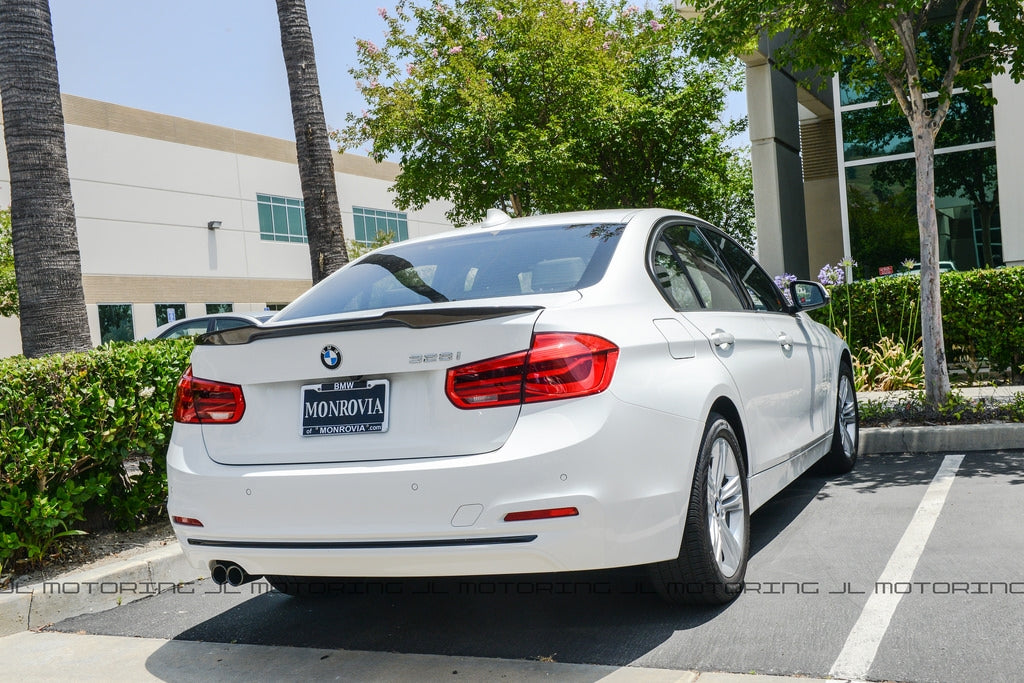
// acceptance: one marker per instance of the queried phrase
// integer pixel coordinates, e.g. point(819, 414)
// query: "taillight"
point(202, 401)
point(557, 365)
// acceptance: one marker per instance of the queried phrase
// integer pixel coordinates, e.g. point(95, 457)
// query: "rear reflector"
point(186, 521)
point(557, 365)
point(541, 514)
point(201, 401)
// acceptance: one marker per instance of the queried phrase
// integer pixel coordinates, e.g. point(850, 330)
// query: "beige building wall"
point(146, 186)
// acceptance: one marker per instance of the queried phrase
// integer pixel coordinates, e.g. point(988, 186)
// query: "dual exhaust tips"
point(230, 573)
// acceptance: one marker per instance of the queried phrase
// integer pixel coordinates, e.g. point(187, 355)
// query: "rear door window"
point(689, 272)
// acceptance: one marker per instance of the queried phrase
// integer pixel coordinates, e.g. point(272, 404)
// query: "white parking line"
point(862, 644)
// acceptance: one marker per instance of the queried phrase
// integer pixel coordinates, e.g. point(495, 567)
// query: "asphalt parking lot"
point(906, 569)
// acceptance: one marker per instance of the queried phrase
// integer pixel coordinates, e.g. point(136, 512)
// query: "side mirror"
point(807, 295)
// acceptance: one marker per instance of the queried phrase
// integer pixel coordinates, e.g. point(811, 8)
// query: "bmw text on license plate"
point(355, 407)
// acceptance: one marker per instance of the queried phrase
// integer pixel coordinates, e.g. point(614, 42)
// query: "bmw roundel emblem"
point(330, 356)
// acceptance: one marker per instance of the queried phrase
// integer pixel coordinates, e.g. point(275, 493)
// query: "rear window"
point(473, 265)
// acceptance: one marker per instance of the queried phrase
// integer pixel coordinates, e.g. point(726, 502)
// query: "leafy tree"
point(915, 48)
point(312, 144)
point(47, 263)
point(549, 105)
point(8, 282)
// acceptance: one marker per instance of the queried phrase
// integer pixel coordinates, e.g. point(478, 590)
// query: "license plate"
point(345, 407)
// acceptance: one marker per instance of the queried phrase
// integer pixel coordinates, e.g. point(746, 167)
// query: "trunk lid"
point(411, 350)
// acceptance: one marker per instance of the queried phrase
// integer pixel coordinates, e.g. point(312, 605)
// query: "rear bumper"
point(445, 516)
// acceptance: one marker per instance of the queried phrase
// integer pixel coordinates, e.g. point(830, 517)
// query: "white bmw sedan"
point(561, 392)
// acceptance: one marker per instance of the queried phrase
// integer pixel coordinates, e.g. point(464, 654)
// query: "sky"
point(214, 61)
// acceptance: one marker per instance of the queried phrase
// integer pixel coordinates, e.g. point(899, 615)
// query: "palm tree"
point(47, 264)
point(316, 162)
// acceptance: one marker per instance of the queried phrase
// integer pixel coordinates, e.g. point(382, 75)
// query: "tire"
point(842, 456)
point(713, 554)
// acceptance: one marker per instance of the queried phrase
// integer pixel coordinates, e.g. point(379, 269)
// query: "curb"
point(103, 587)
point(941, 438)
point(120, 581)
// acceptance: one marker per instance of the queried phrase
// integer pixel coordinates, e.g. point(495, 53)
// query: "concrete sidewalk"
point(60, 656)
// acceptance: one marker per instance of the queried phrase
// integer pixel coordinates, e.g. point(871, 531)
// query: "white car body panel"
point(428, 497)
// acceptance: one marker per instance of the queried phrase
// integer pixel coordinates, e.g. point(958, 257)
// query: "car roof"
point(255, 316)
point(501, 221)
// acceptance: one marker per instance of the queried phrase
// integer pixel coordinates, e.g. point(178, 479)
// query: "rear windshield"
point(473, 265)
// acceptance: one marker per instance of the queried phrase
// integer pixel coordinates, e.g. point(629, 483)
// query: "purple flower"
point(382, 12)
point(455, 49)
point(589, 22)
point(782, 282)
point(831, 275)
point(655, 26)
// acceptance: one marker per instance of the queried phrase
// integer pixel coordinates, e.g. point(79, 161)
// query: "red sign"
point(885, 270)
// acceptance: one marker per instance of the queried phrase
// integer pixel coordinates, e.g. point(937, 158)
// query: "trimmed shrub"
point(982, 314)
point(84, 432)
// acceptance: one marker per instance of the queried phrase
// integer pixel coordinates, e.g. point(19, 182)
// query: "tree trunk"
point(47, 262)
point(936, 375)
point(327, 250)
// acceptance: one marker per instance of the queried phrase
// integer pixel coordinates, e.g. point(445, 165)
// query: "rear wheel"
point(846, 431)
point(713, 555)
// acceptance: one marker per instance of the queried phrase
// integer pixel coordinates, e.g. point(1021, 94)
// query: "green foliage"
point(867, 40)
point(956, 409)
point(71, 427)
point(889, 365)
point(544, 105)
point(982, 314)
point(8, 284)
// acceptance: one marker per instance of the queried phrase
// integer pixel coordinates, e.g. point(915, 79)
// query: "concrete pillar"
point(778, 178)
point(1010, 166)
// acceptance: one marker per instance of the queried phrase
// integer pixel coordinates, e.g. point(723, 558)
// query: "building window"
point(882, 204)
point(166, 313)
point(219, 308)
point(371, 223)
point(879, 130)
point(116, 323)
point(282, 219)
point(274, 307)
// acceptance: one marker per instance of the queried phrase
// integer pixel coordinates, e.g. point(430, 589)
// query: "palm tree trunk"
point(936, 374)
point(327, 250)
point(47, 262)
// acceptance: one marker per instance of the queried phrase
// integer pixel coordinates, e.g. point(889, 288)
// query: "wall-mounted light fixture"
point(213, 225)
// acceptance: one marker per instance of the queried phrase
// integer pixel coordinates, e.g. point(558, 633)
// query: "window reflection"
point(883, 212)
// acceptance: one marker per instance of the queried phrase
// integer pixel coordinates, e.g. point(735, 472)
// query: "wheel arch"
point(727, 409)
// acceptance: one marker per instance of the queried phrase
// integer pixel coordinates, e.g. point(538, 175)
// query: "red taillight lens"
point(201, 401)
point(558, 365)
point(552, 513)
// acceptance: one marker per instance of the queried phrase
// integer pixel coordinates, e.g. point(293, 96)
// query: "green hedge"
point(68, 426)
point(982, 314)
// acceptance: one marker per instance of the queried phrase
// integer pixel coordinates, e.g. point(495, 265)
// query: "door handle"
point(785, 341)
point(722, 339)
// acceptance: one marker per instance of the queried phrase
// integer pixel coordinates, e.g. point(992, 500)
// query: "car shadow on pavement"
point(611, 617)
point(874, 473)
